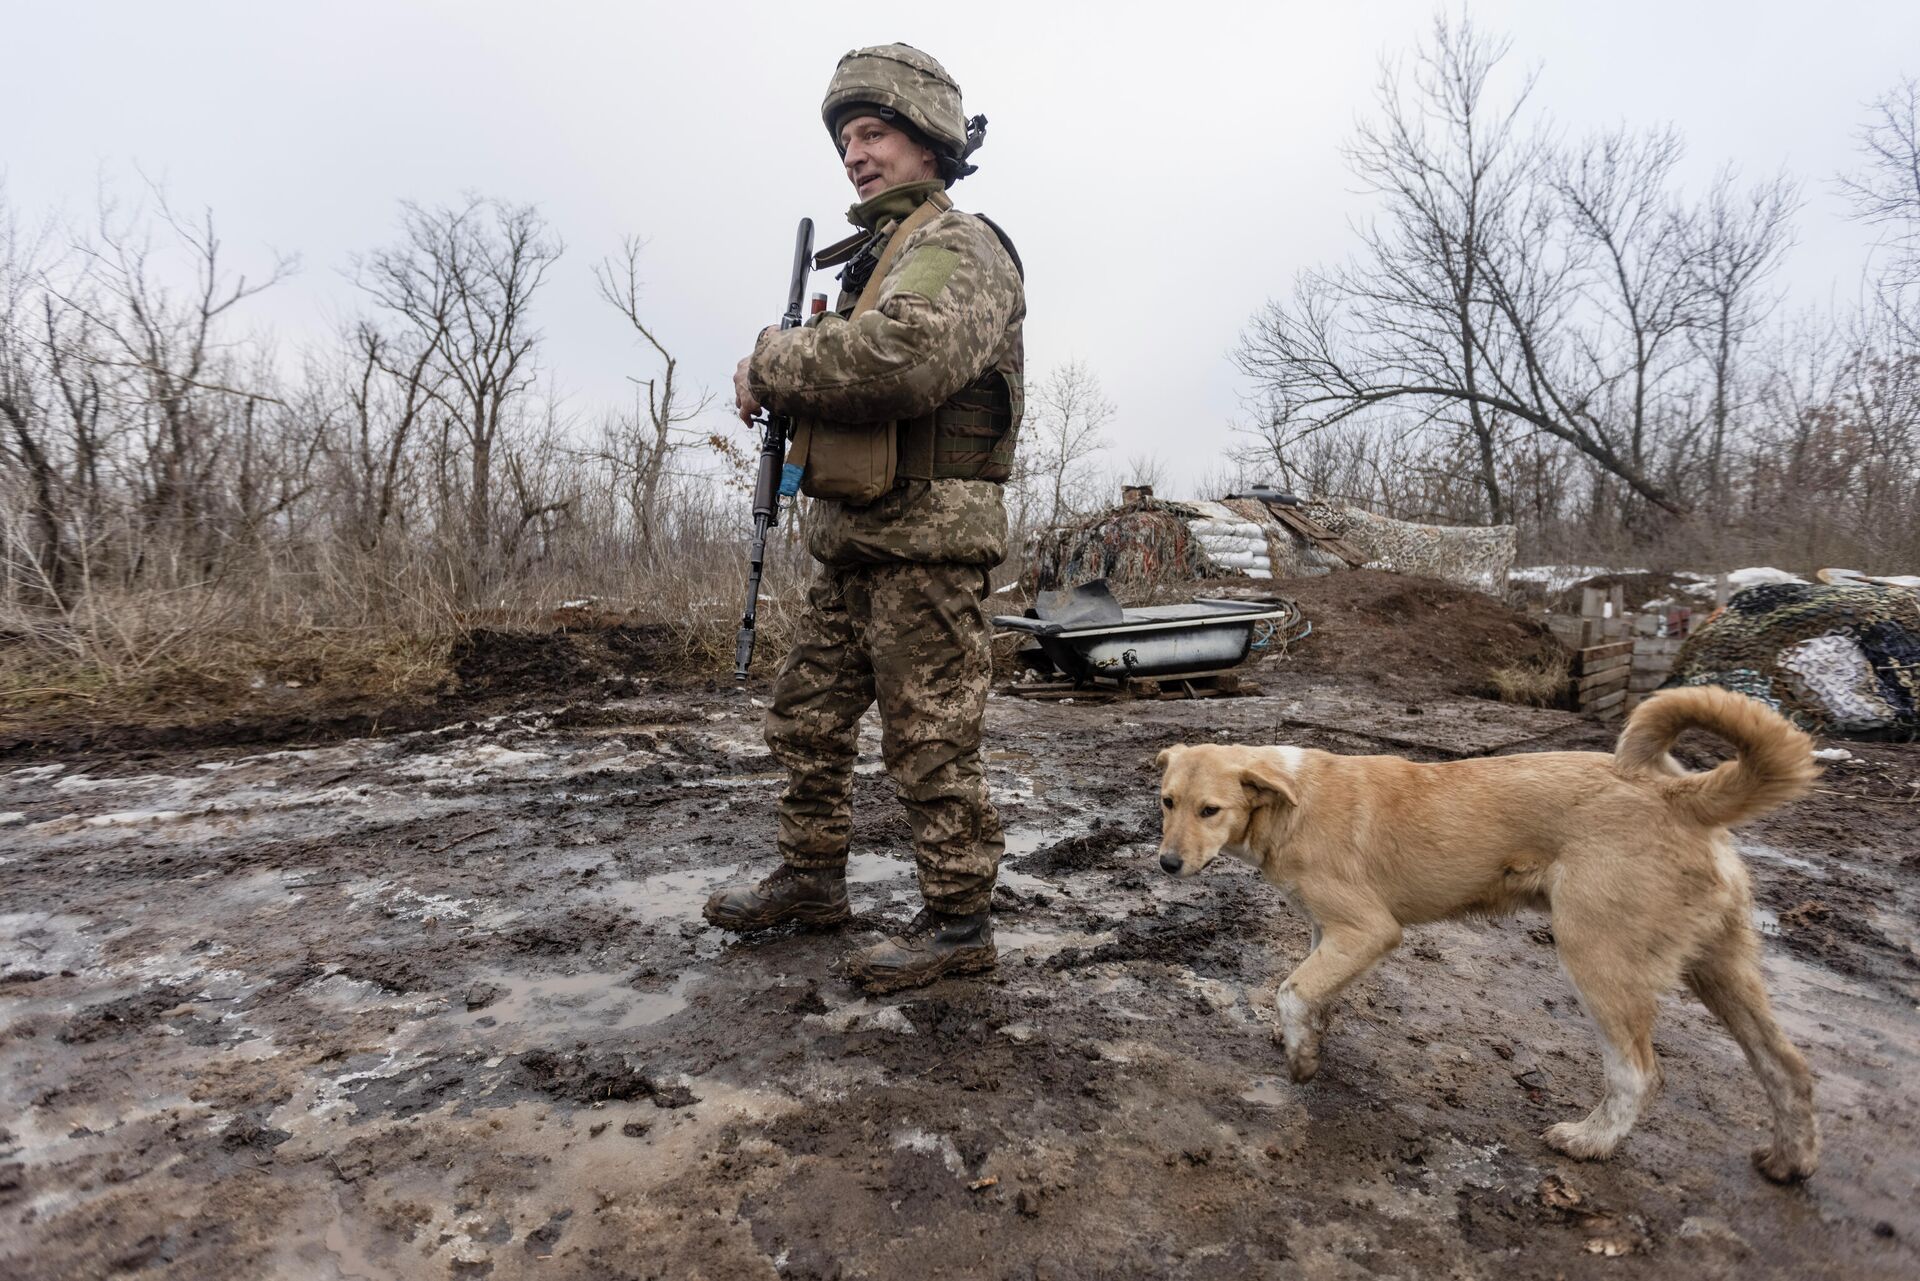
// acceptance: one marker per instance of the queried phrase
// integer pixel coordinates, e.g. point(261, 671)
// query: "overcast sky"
point(1164, 168)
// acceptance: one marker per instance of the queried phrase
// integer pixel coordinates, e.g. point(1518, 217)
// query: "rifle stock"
point(767, 486)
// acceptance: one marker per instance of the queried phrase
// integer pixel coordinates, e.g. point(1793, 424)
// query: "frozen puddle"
point(1037, 941)
point(670, 896)
point(1270, 1092)
point(1759, 849)
point(553, 1004)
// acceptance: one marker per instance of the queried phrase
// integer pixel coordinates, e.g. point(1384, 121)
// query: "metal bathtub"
point(1086, 636)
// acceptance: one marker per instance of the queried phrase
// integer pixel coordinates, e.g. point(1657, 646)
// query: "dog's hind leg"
point(1726, 978)
point(1343, 952)
point(1619, 981)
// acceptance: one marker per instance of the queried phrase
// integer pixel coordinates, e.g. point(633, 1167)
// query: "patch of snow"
point(466, 764)
point(933, 1145)
point(87, 783)
point(1757, 575)
point(863, 1015)
point(133, 818)
point(12, 818)
point(34, 773)
point(1558, 578)
point(1823, 754)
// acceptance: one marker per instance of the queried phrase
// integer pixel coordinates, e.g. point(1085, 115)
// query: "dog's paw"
point(1576, 1140)
point(1781, 1167)
point(1298, 1034)
point(1303, 1059)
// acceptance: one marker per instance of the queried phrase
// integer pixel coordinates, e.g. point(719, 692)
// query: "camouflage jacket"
point(949, 309)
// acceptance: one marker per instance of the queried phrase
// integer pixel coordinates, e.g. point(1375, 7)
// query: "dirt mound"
point(522, 662)
point(488, 670)
point(1417, 633)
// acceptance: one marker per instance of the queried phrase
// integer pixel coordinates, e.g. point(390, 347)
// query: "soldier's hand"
point(743, 395)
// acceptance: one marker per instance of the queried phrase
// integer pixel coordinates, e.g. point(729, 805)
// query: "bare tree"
point(1739, 239)
point(1067, 414)
point(1146, 468)
point(638, 449)
point(1446, 161)
point(1886, 192)
point(182, 372)
point(41, 559)
point(1513, 288)
point(463, 281)
point(394, 384)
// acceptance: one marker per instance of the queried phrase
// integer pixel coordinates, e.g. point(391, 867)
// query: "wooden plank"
point(1612, 700)
point(1592, 652)
point(1590, 686)
point(1617, 597)
point(1606, 666)
point(1314, 532)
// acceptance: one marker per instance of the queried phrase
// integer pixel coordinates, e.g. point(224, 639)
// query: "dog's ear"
point(1266, 783)
point(1166, 756)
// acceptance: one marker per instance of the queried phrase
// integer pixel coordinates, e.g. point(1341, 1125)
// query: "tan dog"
point(1629, 853)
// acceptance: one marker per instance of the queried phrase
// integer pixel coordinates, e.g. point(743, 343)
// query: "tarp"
point(1838, 659)
point(1159, 541)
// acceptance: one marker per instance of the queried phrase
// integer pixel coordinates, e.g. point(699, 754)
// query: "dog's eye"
point(1208, 811)
point(1167, 801)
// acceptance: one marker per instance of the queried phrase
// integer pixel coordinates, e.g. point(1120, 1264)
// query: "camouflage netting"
point(1159, 541)
point(1836, 659)
point(1141, 544)
point(1467, 556)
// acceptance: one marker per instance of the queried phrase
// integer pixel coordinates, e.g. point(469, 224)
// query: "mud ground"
point(439, 1004)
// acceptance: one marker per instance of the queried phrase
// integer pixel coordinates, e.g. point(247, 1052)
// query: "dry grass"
point(1539, 680)
point(279, 671)
point(361, 634)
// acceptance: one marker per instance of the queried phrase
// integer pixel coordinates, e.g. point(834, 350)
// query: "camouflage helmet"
point(899, 83)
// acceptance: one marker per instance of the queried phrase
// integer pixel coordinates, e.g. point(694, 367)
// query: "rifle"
point(771, 482)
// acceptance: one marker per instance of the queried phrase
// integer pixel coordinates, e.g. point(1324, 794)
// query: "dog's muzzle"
point(1171, 862)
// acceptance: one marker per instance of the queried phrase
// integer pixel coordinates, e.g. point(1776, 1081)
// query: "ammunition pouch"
point(846, 462)
point(968, 438)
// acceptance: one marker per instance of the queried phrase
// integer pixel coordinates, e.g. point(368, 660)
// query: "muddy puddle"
point(441, 1005)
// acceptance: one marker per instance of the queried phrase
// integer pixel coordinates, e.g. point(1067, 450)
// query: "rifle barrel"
point(773, 448)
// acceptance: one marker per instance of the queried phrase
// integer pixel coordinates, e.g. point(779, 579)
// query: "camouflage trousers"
point(915, 637)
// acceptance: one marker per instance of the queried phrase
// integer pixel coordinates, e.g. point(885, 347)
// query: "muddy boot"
point(934, 944)
point(817, 898)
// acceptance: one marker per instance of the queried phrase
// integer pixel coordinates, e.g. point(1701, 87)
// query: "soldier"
point(907, 398)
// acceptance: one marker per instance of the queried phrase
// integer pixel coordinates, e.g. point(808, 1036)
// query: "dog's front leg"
point(1344, 952)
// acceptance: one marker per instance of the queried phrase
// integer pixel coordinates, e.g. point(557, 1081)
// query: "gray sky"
point(1163, 168)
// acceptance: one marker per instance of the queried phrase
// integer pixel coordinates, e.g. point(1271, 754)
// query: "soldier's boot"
point(816, 897)
point(934, 944)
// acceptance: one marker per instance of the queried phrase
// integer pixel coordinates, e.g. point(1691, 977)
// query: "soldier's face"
point(878, 156)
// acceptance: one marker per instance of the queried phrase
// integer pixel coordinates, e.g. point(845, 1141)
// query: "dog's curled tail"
point(1774, 762)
